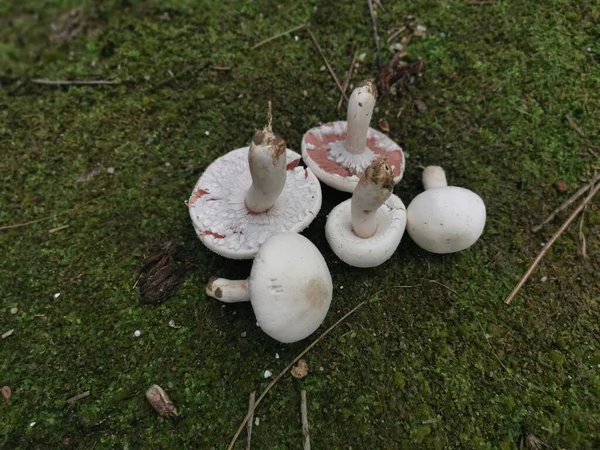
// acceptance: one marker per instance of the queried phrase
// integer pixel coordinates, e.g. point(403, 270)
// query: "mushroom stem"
point(228, 291)
point(373, 189)
point(360, 109)
point(434, 177)
point(267, 161)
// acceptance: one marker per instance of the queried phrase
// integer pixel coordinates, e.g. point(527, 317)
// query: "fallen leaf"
point(161, 402)
point(300, 370)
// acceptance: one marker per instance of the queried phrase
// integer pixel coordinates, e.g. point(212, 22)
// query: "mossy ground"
point(499, 81)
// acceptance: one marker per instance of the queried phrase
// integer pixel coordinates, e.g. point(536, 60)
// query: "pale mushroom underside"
point(219, 214)
point(369, 252)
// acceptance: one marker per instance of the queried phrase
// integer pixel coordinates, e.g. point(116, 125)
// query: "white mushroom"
point(445, 219)
point(366, 230)
point(251, 193)
point(339, 152)
point(290, 287)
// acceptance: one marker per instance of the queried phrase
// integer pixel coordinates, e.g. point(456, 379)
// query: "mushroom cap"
point(218, 210)
point(446, 219)
point(369, 252)
point(290, 287)
point(324, 153)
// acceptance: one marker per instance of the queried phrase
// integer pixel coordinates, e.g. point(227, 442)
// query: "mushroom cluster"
point(253, 202)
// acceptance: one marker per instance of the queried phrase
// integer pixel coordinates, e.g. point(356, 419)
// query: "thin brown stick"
point(74, 82)
point(556, 235)
point(443, 285)
point(375, 35)
point(249, 424)
point(270, 118)
point(582, 236)
point(574, 125)
point(304, 414)
point(567, 203)
point(78, 397)
point(272, 38)
point(220, 68)
point(19, 225)
point(334, 76)
point(287, 368)
point(347, 79)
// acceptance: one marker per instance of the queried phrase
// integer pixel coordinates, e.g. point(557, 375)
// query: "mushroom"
point(365, 231)
point(445, 219)
point(290, 287)
point(251, 193)
point(339, 152)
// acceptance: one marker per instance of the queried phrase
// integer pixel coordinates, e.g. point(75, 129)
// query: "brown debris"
point(398, 74)
point(384, 126)
point(161, 402)
point(533, 443)
point(300, 370)
point(420, 105)
point(68, 26)
point(163, 274)
point(6, 392)
point(561, 186)
point(79, 397)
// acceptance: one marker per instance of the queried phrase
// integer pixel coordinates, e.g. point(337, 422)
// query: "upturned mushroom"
point(339, 152)
point(365, 231)
point(289, 287)
point(445, 219)
point(251, 193)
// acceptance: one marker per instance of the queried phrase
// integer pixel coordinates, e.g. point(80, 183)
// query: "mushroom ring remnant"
point(284, 197)
point(290, 287)
point(339, 152)
point(445, 219)
point(366, 230)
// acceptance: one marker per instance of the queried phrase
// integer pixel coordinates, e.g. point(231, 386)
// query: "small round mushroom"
point(290, 287)
point(365, 231)
point(251, 193)
point(339, 152)
point(445, 219)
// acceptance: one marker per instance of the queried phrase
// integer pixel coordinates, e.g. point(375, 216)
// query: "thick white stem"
point(360, 110)
point(373, 189)
point(267, 160)
point(228, 291)
point(434, 177)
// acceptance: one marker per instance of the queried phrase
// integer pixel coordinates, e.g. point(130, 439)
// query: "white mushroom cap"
point(290, 287)
point(445, 219)
point(224, 223)
point(339, 152)
point(366, 230)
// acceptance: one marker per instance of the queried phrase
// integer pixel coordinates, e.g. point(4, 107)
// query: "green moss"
point(499, 83)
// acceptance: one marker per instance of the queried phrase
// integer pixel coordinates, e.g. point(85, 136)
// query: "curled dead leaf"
point(6, 392)
point(161, 402)
point(300, 370)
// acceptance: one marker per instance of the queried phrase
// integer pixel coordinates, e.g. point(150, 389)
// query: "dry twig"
point(347, 80)
point(287, 368)
point(78, 397)
point(272, 38)
point(569, 201)
point(335, 78)
point(249, 424)
point(304, 414)
point(556, 235)
point(74, 82)
point(375, 35)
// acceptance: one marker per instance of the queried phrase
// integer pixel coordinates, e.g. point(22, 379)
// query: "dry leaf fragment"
point(384, 126)
point(300, 370)
point(161, 402)
point(6, 392)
